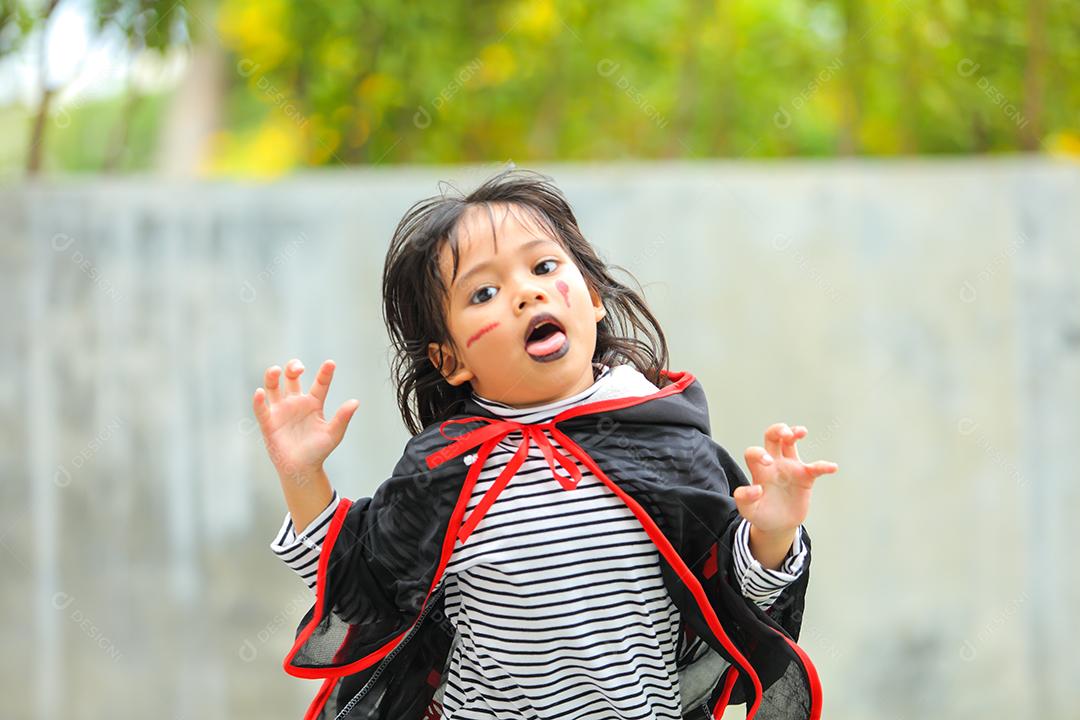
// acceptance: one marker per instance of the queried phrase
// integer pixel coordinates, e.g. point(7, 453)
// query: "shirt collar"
point(602, 375)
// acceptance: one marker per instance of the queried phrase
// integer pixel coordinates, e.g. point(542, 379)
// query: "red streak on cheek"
point(565, 290)
point(480, 332)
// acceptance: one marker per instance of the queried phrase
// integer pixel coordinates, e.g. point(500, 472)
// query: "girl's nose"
point(532, 293)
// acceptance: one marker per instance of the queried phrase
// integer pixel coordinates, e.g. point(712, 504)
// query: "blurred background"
point(859, 217)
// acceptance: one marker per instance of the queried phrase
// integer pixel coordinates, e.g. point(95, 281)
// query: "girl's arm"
point(301, 551)
point(770, 549)
point(306, 496)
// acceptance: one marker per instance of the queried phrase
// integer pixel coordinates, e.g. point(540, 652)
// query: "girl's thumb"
point(746, 496)
point(343, 416)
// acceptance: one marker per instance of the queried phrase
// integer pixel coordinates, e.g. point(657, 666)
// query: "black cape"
point(377, 633)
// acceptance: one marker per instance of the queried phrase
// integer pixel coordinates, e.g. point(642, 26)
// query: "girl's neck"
point(597, 369)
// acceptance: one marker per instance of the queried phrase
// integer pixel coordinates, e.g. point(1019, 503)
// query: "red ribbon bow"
point(487, 438)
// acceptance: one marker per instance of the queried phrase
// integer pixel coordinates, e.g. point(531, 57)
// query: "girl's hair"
point(414, 292)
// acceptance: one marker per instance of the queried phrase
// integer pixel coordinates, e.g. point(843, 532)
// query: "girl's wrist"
point(306, 495)
point(770, 547)
point(296, 477)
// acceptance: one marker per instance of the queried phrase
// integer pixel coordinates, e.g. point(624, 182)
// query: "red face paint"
point(565, 290)
point(480, 332)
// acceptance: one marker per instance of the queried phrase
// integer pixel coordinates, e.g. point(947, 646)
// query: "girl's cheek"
point(481, 332)
point(564, 289)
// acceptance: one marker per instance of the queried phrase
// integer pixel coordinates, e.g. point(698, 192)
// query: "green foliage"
point(543, 80)
point(82, 139)
point(322, 83)
point(16, 21)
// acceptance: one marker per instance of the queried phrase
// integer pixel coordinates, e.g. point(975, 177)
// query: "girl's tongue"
point(547, 345)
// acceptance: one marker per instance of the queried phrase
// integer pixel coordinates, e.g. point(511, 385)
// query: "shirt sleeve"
point(301, 552)
point(761, 584)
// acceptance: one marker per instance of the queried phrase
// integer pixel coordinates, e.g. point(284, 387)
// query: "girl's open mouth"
point(546, 341)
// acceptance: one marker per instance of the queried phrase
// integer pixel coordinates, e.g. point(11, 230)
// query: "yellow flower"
point(497, 64)
point(268, 151)
point(537, 18)
point(1064, 143)
point(253, 30)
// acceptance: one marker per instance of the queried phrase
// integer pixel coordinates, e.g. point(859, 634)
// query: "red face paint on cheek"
point(480, 332)
point(565, 290)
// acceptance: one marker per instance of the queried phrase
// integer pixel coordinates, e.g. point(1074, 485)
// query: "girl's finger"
point(746, 499)
point(798, 432)
point(772, 438)
point(822, 467)
point(341, 419)
point(758, 456)
point(293, 370)
point(271, 383)
point(262, 410)
point(322, 381)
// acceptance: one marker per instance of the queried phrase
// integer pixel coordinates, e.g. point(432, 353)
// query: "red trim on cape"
point(320, 590)
point(730, 676)
point(316, 706)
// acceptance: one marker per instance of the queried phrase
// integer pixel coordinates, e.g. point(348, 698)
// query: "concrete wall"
point(921, 317)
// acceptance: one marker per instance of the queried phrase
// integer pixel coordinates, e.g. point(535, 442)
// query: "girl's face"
point(495, 301)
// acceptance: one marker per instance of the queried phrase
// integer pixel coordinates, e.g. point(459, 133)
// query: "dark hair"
point(414, 292)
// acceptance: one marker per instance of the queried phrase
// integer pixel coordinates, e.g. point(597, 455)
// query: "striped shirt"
point(557, 596)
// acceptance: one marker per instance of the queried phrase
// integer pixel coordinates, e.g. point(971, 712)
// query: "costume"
point(384, 646)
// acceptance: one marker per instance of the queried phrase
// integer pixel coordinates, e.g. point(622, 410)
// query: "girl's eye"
point(473, 300)
point(544, 262)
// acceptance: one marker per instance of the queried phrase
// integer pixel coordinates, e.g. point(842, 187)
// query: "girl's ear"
point(598, 305)
point(459, 374)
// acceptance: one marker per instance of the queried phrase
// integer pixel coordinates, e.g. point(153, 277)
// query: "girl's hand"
point(297, 436)
point(778, 497)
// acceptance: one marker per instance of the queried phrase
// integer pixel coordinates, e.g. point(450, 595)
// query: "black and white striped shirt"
point(557, 596)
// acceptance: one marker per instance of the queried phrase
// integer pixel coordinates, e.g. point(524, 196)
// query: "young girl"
point(561, 537)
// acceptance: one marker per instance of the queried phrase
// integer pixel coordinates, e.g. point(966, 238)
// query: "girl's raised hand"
point(296, 435)
point(779, 497)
